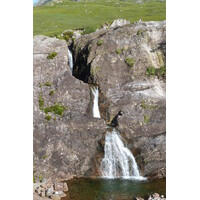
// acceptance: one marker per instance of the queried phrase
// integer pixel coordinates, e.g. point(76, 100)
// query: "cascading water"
point(95, 92)
point(70, 60)
point(118, 161)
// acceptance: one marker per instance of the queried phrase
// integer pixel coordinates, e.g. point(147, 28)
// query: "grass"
point(52, 55)
point(130, 62)
point(90, 15)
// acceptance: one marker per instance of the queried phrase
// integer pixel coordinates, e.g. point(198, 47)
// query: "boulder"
point(128, 64)
point(65, 135)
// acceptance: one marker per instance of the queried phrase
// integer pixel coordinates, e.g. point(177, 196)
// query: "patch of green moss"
point(48, 117)
point(118, 51)
point(130, 62)
point(41, 101)
point(144, 105)
point(146, 119)
point(152, 71)
point(56, 109)
point(52, 55)
point(51, 93)
point(40, 85)
point(48, 84)
point(94, 70)
point(100, 42)
point(54, 118)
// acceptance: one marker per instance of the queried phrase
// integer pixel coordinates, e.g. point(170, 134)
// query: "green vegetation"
point(90, 15)
point(139, 32)
point(130, 62)
point(160, 72)
point(151, 71)
point(56, 109)
point(146, 119)
point(51, 93)
point(145, 105)
point(40, 177)
point(48, 117)
point(118, 51)
point(48, 84)
point(52, 55)
point(67, 35)
point(100, 42)
point(41, 101)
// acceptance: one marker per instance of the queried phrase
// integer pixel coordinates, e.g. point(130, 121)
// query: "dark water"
point(118, 189)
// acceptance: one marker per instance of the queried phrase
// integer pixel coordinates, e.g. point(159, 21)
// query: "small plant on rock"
point(146, 119)
point(130, 62)
point(51, 93)
point(118, 51)
point(41, 101)
point(48, 84)
point(48, 117)
point(52, 55)
point(100, 42)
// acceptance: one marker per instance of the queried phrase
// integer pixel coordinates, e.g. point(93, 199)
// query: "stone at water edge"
point(55, 197)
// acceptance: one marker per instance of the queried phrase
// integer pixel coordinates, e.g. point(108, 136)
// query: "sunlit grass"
point(49, 20)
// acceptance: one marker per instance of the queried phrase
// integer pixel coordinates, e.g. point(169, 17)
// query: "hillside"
point(56, 16)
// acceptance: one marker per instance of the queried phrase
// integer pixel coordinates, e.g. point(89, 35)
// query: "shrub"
point(100, 42)
point(130, 62)
point(52, 55)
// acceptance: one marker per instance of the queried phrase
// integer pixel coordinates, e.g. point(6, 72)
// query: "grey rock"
point(128, 88)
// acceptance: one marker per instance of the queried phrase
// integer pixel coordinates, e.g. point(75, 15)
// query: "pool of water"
point(116, 189)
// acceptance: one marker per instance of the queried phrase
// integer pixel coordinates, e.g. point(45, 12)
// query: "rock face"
point(65, 135)
point(128, 65)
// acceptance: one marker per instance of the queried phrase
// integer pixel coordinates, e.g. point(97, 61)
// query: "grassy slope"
point(48, 20)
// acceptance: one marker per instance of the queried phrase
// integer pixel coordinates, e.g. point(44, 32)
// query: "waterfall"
point(118, 161)
point(70, 60)
point(95, 92)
